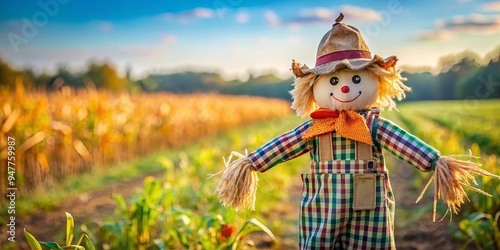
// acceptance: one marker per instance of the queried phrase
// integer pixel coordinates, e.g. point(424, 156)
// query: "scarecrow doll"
point(347, 199)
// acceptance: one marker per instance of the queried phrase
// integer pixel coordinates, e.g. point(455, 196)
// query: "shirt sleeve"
point(282, 148)
point(406, 146)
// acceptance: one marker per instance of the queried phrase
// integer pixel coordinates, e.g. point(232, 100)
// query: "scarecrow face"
point(346, 90)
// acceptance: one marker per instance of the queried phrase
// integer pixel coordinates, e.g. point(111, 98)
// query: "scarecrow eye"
point(334, 80)
point(356, 79)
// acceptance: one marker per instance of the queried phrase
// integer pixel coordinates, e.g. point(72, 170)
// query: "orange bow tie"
point(347, 123)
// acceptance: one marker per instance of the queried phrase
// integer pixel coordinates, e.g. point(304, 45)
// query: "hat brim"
point(352, 64)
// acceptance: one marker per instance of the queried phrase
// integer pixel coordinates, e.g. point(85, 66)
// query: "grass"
point(459, 127)
point(474, 121)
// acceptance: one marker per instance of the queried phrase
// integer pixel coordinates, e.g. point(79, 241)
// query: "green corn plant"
point(250, 226)
point(155, 220)
point(193, 231)
point(70, 224)
point(135, 225)
point(481, 229)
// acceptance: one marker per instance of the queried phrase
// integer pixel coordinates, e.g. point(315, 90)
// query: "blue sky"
point(234, 37)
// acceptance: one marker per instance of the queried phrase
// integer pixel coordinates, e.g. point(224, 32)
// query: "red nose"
point(345, 89)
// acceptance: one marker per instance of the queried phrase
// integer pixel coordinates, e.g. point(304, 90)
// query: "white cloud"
point(200, 13)
point(272, 18)
point(318, 13)
point(106, 26)
point(312, 16)
point(490, 7)
point(456, 20)
point(169, 38)
point(359, 14)
point(321, 16)
point(261, 40)
point(293, 40)
point(188, 15)
point(242, 17)
point(474, 24)
point(438, 34)
point(439, 23)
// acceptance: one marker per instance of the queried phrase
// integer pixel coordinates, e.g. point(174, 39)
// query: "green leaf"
point(160, 244)
point(34, 245)
point(246, 229)
point(496, 227)
point(75, 247)
point(211, 221)
point(165, 163)
point(182, 239)
point(50, 245)
point(70, 224)
point(264, 229)
point(478, 216)
point(480, 229)
point(183, 220)
point(120, 201)
point(464, 225)
point(114, 228)
point(88, 242)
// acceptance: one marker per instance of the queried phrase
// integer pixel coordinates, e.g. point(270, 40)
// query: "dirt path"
point(418, 234)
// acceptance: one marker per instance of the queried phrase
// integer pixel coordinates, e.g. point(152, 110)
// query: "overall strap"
point(363, 151)
point(325, 147)
point(372, 122)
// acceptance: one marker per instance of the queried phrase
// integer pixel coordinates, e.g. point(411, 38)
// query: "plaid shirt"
point(396, 140)
point(327, 220)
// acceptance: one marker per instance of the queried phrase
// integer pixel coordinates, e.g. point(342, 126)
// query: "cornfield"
point(68, 132)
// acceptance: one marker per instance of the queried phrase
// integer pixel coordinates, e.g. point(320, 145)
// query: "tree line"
point(465, 79)
point(461, 76)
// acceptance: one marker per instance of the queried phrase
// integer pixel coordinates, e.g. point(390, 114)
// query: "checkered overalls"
point(327, 219)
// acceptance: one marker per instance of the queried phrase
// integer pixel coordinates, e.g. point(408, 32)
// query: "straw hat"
point(342, 47)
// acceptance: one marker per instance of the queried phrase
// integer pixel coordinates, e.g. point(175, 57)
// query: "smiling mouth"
point(331, 94)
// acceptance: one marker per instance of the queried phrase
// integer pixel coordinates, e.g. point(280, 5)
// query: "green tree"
point(448, 82)
point(483, 83)
point(8, 75)
point(423, 86)
point(105, 76)
point(63, 77)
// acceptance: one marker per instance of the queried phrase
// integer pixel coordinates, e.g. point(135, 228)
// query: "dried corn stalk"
point(450, 177)
point(238, 185)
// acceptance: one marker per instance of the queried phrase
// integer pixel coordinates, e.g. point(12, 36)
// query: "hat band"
point(341, 55)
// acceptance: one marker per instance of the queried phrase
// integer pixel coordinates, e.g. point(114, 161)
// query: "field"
point(67, 133)
point(176, 208)
point(458, 127)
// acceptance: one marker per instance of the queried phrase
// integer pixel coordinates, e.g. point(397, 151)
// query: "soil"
point(418, 234)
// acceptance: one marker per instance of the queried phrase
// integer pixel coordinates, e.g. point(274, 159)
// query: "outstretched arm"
point(238, 184)
point(406, 146)
point(282, 148)
point(451, 174)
